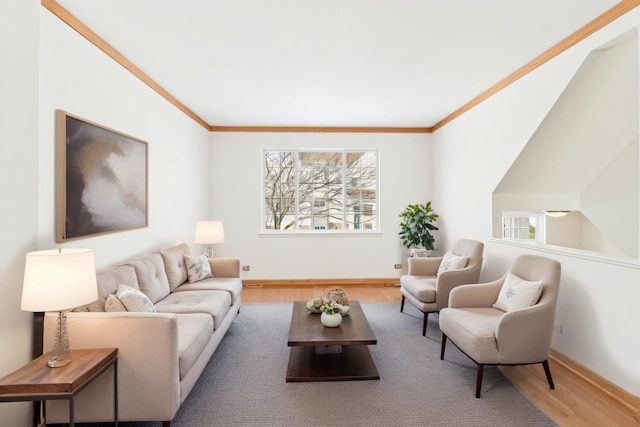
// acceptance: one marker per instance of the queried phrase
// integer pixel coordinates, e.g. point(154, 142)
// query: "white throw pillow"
point(114, 304)
point(450, 261)
point(198, 267)
point(517, 293)
point(134, 300)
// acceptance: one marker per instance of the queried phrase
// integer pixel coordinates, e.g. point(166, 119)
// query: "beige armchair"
point(521, 335)
point(429, 280)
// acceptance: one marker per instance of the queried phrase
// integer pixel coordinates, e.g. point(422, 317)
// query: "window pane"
point(279, 190)
point(361, 183)
point(520, 227)
point(320, 190)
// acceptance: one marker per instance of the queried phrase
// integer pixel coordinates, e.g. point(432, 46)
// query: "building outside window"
point(313, 190)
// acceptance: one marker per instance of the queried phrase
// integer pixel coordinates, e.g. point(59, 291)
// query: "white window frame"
point(365, 227)
point(535, 218)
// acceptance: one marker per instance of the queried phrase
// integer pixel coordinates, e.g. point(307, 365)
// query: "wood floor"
point(574, 402)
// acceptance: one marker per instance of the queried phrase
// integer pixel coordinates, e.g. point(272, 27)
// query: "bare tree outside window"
point(320, 190)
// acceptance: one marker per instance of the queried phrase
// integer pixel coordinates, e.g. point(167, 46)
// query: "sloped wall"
point(586, 150)
point(610, 202)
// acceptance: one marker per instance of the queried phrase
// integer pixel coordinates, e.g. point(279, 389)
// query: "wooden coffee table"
point(319, 353)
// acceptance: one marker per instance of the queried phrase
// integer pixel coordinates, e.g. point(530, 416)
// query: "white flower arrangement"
point(327, 306)
point(331, 307)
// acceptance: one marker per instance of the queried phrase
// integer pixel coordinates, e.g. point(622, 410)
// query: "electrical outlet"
point(246, 267)
point(557, 328)
point(397, 266)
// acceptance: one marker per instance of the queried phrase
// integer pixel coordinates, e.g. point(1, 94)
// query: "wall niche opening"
point(584, 159)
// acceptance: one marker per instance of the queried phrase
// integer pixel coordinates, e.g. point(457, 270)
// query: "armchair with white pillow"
point(430, 280)
point(508, 321)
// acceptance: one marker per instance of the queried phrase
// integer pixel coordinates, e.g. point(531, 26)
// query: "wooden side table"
point(38, 382)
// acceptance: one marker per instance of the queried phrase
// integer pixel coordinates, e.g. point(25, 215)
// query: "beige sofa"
point(160, 354)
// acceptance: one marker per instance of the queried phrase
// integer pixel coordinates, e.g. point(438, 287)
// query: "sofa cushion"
point(233, 285)
point(152, 279)
point(194, 331)
point(214, 303)
point(134, 300)
point(174, 264)
point(517, 293)
point(198, 267)
point(108, 283)
point(473, 330)
point(421, 287)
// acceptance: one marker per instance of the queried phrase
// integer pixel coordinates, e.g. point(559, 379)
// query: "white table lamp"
point(209, 233)
point(58, 280)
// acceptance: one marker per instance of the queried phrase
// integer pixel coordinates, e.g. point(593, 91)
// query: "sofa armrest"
point(225, 267)
point(148, 375)
point(476, 295)
point(525, 334)
point(451, 279)
point(423, 266)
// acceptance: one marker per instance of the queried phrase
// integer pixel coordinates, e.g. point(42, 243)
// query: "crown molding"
point(63, 14)
point(606, 18)
point(320, 129)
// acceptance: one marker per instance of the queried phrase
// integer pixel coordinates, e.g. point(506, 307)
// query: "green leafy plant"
point(330, 307)
point(417, 223)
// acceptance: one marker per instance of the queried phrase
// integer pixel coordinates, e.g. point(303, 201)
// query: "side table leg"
point(71, 412)
point(115, 393)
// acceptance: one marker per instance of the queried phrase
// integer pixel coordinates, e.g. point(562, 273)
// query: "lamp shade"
point(209, 232)
point(60, 279)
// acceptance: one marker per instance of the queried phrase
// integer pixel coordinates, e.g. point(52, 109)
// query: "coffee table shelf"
point(319, 353)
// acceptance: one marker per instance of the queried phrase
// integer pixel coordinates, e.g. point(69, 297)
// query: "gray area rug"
point(244, 383)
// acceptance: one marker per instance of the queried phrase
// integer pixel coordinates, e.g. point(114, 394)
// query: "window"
point(308, 190)
point(518, 225)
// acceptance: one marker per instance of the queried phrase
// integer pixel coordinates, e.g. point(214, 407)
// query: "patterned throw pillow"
point(517, 293)
point(113, 304)
point(450, 261)
point(198, 268)
point(134, 300)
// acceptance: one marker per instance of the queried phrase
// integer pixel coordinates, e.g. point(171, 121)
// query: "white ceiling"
point(370, 63)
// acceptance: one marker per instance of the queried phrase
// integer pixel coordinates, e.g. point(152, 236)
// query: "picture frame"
point(101, 179)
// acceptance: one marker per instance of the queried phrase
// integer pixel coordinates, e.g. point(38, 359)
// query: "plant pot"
point(331, 320)
point(419, 253)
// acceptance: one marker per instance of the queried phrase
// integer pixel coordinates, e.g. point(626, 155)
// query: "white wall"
point(44, 66)
point(598, 297)
point(236, 166)
point(79, 78)
point(19, 185)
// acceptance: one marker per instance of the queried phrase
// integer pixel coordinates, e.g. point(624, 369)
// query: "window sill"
point(320, 233)
point(574, 253)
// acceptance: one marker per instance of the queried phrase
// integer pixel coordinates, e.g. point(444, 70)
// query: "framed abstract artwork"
point(101, 179)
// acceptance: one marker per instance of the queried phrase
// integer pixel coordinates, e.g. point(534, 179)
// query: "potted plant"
point(418, 221)
point(331, 314)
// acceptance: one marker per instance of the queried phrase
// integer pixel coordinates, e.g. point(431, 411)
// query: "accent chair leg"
point(402, 304)
point(166, 423)
point(547, 372)
point(442, 347)
point(479, 380)
point(424, 324)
